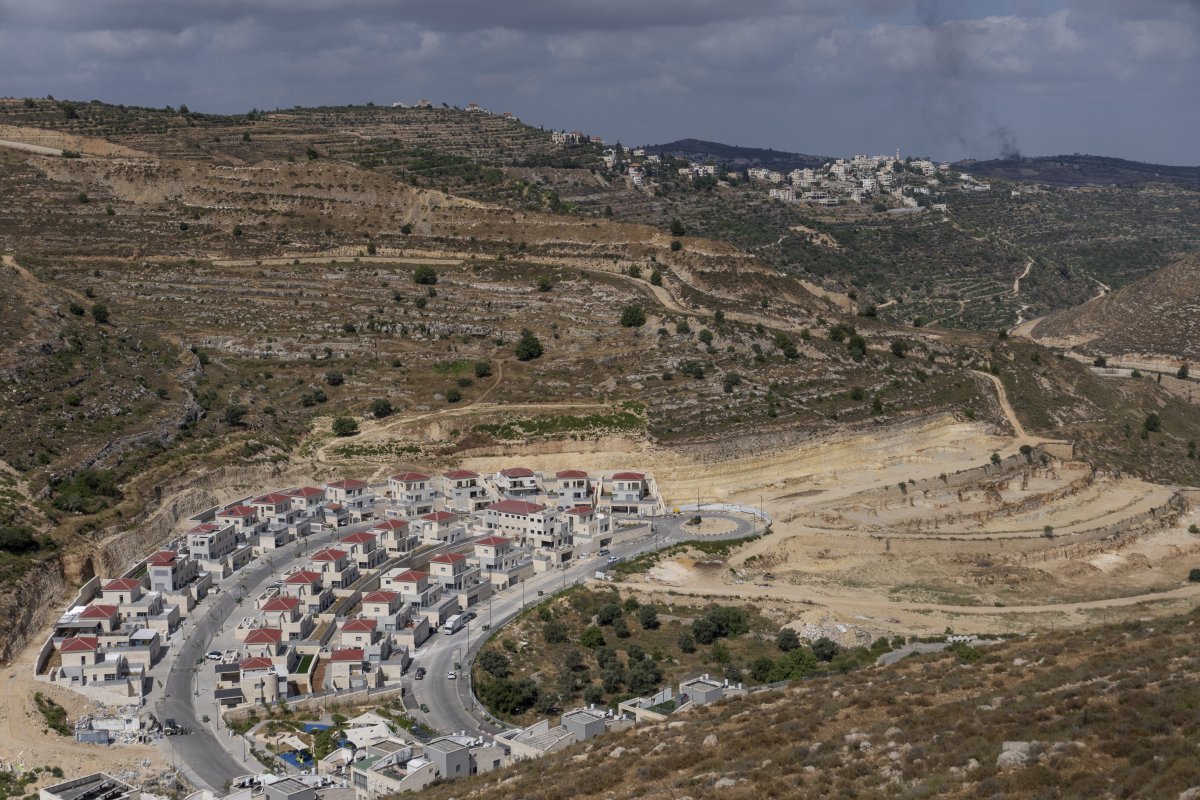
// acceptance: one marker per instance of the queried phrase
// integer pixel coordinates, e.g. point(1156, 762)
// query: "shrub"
point(644, 676)
point(507, 696)
point(425, 275)
point(17, 539)
point(787, 640)
point(1183, 372)
point(608, 614)
point(825, 648)
point(453, 395)
point(482, 369)
point(76, 309)
point(495, 663)
point(656, 278)
point(676, 245)
point(234, 414)
point(100, 313)
point(648, 617)
point(406, 229)
point(706, 336)
point(1153, 423)
point(634, 316)
point(382, 407)
point(529, 347)
point(544, 285)
point(87, 492)
point(1194, 575)
point(344, 426)
point(554, 631)
point(900, 347)
point(686, 643)
point(635, 271)
point(677, 228)
point(334, 378)
point(592, 637)
point(621, 628)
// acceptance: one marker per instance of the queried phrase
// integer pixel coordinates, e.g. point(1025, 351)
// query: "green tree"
point(381, 407)
point(344, 426)
point(621, 628)
point(495, 663)
point(676, 245)
point(425, 275)
point(1183, 372)
point(453, 395)
point(529, 347)
point(705, 336)
point(825, 648)
point(656, 278)
point(648, 617)
point(482, 369)
point(634, 316)
point(608, 614)
point(234, 414)
point(677, 228)
point(1193, 576)
point(787, 640)
point(687, 643)
point(1153, 423)
point(17, 539)
point(554, 631)
point(334, 378)
point(100, 313)
point(371, 248)
point(592, 637)
point(900, 347)
point(644, 676)
point(544, 285)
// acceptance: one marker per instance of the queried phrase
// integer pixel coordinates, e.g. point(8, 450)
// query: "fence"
point(733, 508)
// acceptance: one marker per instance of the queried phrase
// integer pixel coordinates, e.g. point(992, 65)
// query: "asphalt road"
point(451, 706)
point(209, 762)
point(203, 758)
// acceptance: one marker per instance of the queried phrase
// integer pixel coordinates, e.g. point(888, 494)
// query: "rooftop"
point(517, 472)
point(79, 644)
point(390, 525)
point(238, 511)
point(272, 499)
point(281, 604)
point(410, 477)
point(567, 474)
point(264, 636)
point(361, 624)
point(348, 654)
point(302, 577)
point(493, 541)
point(97, 786)
point(629, 476)
point(362, 537)
point(460, 474)
point(523, 507)
point(121, 584)
point(258, 662)
point(98, 611)
point(329, 554)
point(347, 483)
point(379, 597)
point(448, 558)
point(411, 576)
point(439, 516)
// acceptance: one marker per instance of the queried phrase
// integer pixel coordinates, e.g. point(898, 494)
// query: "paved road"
point(452, 708)
point(210, 756)
point(205, 760)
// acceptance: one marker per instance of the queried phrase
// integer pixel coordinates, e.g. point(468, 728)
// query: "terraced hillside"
point(1105, 712)
point(1157, 317)
point(197, 298)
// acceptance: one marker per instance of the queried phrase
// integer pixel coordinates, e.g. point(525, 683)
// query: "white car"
point(451, 675)
point(213, 655)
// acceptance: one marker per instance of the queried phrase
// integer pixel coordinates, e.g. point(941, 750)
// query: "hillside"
point(1157, 316)
point(737, 157)
point(196, 297)
point(1106, 712)
point(1082, 170)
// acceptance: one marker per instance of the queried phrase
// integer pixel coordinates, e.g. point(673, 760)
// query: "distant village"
point(905, 185)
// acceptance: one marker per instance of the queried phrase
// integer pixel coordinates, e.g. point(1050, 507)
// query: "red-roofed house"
point(310, 589)
point(440, 527)
point(106, 617)
point(347, 669)
point(307, 498)
point(120, 591)
point(417, 590)
point(269, 505)
point(412, 492)
point(335, 566)
point(516, 481)
point(170, 572)
point(531, 525)
point(502, 564)
point(453, 571)
point(268, 643)
point(364, 549)
point(586, 521)
point(243, 518)
point(355, 495)
point(359, 632)
point(574, 488)
point(463, 490)
point(396, 536)
point(286, 614)
point(628, 491)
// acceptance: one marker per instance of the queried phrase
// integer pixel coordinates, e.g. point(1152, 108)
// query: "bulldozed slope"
point(1157, 316)
point(1105, 712)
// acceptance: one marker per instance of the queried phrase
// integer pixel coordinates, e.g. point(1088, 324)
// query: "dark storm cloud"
point(947, 79)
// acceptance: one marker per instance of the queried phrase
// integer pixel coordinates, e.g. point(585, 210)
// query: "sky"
point(947, 79)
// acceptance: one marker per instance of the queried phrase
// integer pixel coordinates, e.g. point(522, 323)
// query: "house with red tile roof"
point(308, 586)
point(463, 491)
point(355, 495)
point(573, 487)
point(306, 498)
point(243, 518)
point(454, 571)
point(516, 481)
point(412, 493)
point(397, 537)
point(629, 489)
point(364, 550)
point(533, 526)
point(335, 566)
point(440, 527)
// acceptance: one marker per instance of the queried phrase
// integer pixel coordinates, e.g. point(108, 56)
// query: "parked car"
point(213, 655)
point(470, 615)
point(451, 675)
point(613, 559)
